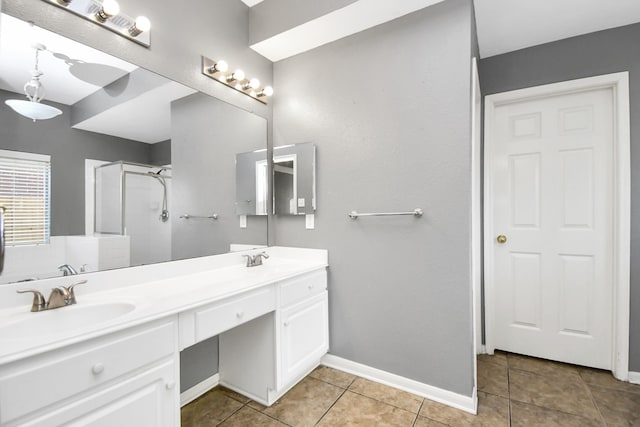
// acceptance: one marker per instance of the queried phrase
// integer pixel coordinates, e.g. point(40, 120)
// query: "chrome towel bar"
point(187, 216)
point(416, 212)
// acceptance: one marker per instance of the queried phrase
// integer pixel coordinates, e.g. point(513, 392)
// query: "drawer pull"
point(310, 286)
point(170, 385)
point(240, 314)
point(97, 368)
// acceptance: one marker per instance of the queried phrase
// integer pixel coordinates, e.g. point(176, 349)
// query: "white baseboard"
point(455, 400)
point(199, 389)
point(634, 377)
point(482, 349)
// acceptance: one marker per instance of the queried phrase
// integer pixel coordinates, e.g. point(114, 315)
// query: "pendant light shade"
point(33, 109)
point(34, 91)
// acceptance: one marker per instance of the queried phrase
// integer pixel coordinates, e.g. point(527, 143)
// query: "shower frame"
point(123, 190)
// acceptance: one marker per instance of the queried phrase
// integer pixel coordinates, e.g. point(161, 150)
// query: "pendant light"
point(34, 92)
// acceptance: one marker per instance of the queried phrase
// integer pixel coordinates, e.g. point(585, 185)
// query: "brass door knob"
point(501, 239)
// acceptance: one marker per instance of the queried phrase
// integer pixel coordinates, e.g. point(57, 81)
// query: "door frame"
point(619, 83)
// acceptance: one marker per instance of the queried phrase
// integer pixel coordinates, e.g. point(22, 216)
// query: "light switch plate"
point(310, 221)
point(243, 221)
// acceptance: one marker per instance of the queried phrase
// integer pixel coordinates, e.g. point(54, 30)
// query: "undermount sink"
point(62, 320)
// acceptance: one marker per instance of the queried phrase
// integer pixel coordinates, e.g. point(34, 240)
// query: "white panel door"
point(552, 199)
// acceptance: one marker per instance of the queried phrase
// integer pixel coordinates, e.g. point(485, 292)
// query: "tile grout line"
point(593, 400)
point(509, 415)
point(332, 405)
point(418, 414)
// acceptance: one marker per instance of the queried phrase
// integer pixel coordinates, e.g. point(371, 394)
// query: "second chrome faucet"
point(61, 296)
point(256, 260)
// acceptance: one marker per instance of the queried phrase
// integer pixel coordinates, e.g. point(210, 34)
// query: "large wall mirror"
point(136, 170)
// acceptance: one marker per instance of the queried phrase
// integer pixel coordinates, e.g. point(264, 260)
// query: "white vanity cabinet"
point(125, 378)
point(264, 358)
point(303, 327)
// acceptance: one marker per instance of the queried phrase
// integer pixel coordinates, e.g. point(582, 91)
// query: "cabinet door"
point(147, 399)
point(304, 337)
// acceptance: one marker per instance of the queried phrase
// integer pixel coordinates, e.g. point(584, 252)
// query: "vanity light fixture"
point(236, 80)
point(34, 91)
point(106, 13)
point(109, 9)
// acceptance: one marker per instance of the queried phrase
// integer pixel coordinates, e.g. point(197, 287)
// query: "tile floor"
point(513, 390)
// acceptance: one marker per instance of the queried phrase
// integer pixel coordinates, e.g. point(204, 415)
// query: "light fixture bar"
point(235, 79)
point(107, 14)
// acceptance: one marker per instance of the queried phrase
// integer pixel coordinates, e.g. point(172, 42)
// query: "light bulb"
point(222, 66)
point(109, 8)
point(236, 75)
point(254, 83)
point(219, 67)
point(267, 91)
point(251, 84)
point(141, 25)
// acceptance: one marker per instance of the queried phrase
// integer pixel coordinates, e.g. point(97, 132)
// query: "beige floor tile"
point(619, 408)
point(304, 404)
point(525, 415)
point(257, 406)
point(333, 376)
point(605, 379)
point(564, 394)
point(541, 366)
point(499, 357)
point(386, 394)
point(232, 394)
point(492, 411)
point(426, 422)
point(356, 410)
point(210, 409)
point(493, 378)
point(250, 417)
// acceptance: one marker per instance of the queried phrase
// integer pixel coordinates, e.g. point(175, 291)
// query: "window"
point(25, 194)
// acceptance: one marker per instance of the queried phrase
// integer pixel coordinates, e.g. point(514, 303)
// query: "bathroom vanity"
point(113, 359)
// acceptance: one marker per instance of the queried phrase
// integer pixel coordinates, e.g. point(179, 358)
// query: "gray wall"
point(399, 287)
point(206, 135)
point(68, 149)
point(593, 54)
point(161, 153)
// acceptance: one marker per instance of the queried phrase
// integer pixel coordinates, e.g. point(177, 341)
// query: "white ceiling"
point(508, 25)
point(73, 71)
point(503, 25)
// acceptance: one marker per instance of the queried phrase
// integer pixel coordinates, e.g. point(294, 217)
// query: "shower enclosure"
point(133, 199)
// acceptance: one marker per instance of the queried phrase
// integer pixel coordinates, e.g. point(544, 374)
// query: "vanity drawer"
point(300, 288)
point(211, 321)
point(43, 380)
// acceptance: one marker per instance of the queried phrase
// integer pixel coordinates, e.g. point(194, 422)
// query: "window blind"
point(25, 194)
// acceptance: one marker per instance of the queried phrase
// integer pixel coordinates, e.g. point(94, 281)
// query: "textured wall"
point(389, 112)
point(593, 54)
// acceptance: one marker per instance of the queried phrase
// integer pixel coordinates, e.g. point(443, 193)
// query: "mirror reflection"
point(294, 179)
point(131, 172)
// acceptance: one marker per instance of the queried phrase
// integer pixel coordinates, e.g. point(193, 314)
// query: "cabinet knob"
point(286, 323)
point(97, 368)
point(310, 286)
point(240, 314)
point(170, 384)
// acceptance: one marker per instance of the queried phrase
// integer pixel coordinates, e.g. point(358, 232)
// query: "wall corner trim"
point(634, 377)
point(191, 394)
point(455, 400)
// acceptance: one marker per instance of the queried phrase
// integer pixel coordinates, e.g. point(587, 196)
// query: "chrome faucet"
point(256, 260)
point(61, 296)
point(67, 270)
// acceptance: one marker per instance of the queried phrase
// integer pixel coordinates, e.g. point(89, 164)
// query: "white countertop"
point(215, 278)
